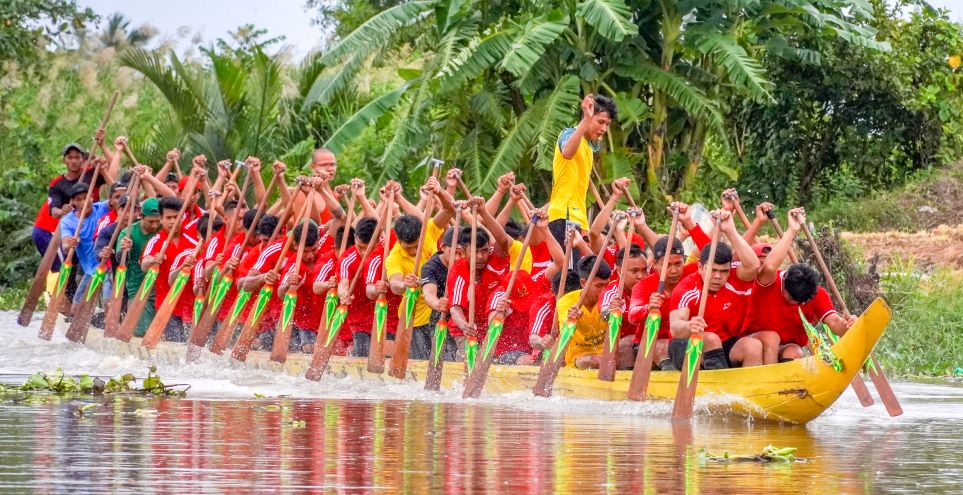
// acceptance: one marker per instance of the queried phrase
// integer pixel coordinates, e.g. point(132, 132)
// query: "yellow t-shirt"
point(399, 263)
point(570, 183)
point(513, 251)
point(589, 331)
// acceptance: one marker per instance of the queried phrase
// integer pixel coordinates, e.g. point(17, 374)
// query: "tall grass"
point(925, 336)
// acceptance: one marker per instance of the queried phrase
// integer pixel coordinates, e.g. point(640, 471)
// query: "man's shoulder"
point(564, 136)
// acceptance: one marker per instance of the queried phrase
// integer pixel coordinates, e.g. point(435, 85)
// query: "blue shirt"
point(85, 250)
point(567, 133)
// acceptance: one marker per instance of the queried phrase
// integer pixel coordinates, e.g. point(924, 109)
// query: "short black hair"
point(125, 176)
point(604, 104)
point(230, 204)
point(312, 235)
point(202, 224)
point(408, 229)
point(801, 282)
point(572, 283)
point(170, 203)
point(723, 254)
point(634, 252)
point(585, 264)
point(658, 250)
point(339, 234)
point(481, 238)
point(267, 224)
point(365, 229)
point(515, 230)
point(248, 218)
point(115, 186)
point(449, 233)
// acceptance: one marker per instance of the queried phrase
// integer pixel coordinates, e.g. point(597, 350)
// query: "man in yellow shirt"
point(585, 348)
point(402, 272)
point(572, 164)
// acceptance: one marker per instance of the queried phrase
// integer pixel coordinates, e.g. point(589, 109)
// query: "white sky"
point(214, 18)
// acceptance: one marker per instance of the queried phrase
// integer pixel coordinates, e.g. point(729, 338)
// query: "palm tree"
point(118, 34)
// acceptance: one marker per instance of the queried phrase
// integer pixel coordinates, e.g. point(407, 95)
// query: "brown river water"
point(347, 436)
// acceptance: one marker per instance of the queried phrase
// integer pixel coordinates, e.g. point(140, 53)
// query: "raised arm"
point(570, 146)
point(761, 218)
point(748, 262)
point(503, 242)
point(767, 274)
point(505, 182)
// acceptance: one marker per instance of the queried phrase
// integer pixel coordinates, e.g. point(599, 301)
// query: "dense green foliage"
point(26, 25)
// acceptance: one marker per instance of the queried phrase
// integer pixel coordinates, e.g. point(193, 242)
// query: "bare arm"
point(503, 242)
point(748, 262)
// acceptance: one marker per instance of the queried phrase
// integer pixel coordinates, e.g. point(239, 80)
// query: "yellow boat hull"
point(795, 392)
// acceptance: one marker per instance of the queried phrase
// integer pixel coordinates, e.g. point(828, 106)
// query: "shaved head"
point(324, 160)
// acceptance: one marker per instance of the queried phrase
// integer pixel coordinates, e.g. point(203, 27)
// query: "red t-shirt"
point(248, 260)
point(456, 288)
point(105, 221)
point(542, 314)
point(525, 295)
point(189, 224)
point(541, 258)
point(769, 310)
point(371, 271)
point(361, 310)
point(725, 308)
point(611, 290)
point(173, 259)
point(57, 196)
point(639, 304)
point(307, 310)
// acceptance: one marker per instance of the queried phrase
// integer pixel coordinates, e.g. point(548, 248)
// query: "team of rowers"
point(189, 224)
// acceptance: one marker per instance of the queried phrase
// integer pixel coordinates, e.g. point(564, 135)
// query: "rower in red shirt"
point(778, 295)
point(179, 255)
point(315, 265)
point(513, 346)
point(645, 295)
point(730, 286)
point(241, 258)
point(360, 308)
point(635, 269)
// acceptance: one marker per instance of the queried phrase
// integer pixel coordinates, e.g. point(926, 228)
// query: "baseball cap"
point(171, 177)
point(150, 207)
point(73, 146)
point(78, 188)
point(761, 248)
point(659, 249)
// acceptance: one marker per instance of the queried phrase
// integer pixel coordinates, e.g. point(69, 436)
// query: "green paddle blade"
point(564, 336)
point(494, 332)
point(65, 270)
point(381, 317)
point(337, 321)
point(287, 308)
point(95, 280)
point(243, 297)
point(652, 323)
point(820, 344)
point(441, 333)
point(120, 278)
point(692, 354)
point(220, 292)
point(198, 308)
point(330, 305)
point(411, 299)
point(615, 326)
point(148, 283)
point(471, 353)
point(177, 287)
point(263, 298)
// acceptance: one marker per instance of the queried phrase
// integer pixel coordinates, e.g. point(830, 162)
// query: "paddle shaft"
point(779, 232)
point(282, 339)
point(689, 377)
point(203, 328)
point(550, 368)
point(157, 326)
point(136, 307)
point(883, 388)
point(56, 299)
point(399, 359)
point(379, 324)
point(547, 367)
point(77, 331)
point(642, 371)
point(249, 331)
point(349, 216)
point(435, 361)
point(479, 375)
point(607, 362)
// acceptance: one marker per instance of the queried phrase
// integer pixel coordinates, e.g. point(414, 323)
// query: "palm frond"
point(488, 105)
point(477, 56)
point(531, 43)
point(264, 96)
point(356, 124)
point(333, 80)
point(375, 32)
point(739, 68)
point(186, 101)
point(610, 18)
point(514, 145)
point(557, 114)
point(689, 98)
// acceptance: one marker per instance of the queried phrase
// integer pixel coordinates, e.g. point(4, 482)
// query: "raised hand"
point(762, 211)
point(173, 155)
point(797, 217)
point(588, 107)
point(729, 199)
point(99, 135)
point(506, 181)
point(120, 142)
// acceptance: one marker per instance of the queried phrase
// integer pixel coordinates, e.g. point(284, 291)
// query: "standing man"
point(572, 164)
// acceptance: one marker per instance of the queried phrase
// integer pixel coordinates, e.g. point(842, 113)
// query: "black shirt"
point(59, 189)
point(434, 272)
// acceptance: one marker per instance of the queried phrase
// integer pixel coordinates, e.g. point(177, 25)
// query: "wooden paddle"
point(349, 218)
point(223, 336)
point(435, 362)
point(639, 386)
point(689, 376)
point(376, 346)
point(50, 255)
point(324, 349)
point(399, 359)
point(66, 268)
point(544, 370)
point(112, 319)
point(556, 360)
point(156, 328)
point(742, 214)
point(77, 331)
point(883, 388)
point(479, 374)
point(607, 364)
point(282, 339)
point(249, 332)
point(136, 307)
point(471, 342)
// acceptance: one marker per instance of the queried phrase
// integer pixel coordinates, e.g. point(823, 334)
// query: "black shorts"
point(727, 346)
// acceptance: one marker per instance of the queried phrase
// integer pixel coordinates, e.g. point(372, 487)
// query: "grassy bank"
point(924, 337)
